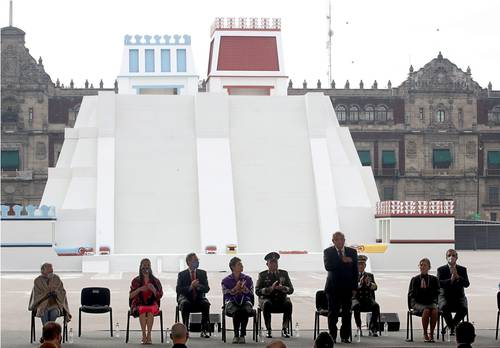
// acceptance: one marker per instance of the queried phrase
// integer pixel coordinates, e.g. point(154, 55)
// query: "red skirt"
point(149, 309)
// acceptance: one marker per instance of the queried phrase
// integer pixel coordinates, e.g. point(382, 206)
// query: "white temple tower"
point(176, 170)
point(246, 57)
point(154, 64)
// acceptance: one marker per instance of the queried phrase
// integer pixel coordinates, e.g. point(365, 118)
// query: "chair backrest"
point(95, 297)
point(321, 300)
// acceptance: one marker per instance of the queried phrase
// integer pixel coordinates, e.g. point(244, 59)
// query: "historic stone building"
point(35, 112)
point(435, 137)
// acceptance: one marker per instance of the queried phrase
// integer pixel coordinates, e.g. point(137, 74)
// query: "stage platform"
point(393, 287)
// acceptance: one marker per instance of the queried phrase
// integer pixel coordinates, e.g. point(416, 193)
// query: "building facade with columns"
point(35, 112)
point(436, 136)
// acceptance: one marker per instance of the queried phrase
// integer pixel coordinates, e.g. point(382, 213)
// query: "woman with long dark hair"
point(145, 295)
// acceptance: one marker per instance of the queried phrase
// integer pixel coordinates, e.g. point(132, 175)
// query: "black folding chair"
point(33, 331)
point(130, 314)
point(254, 326)
point(95, 301)
point(443, 323)
point(498, 314)
point(322, 311)
point(409, 321)
point(273, 311)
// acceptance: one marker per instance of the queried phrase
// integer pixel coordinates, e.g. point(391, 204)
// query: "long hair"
point(141, 276)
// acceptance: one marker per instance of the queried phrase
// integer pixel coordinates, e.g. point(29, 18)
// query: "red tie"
point(193, 277)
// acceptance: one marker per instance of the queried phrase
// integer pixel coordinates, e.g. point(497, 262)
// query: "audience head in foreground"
point(465, 334)
point(324, 340)
point(276, 344)
point(179, 335)
point(51, 334)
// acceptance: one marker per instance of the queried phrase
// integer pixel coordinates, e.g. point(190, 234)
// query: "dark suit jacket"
point(184, 292)
point(452, 291)
point(266, 280)
point(425, 296)
point(341, 276)
point(366, 293)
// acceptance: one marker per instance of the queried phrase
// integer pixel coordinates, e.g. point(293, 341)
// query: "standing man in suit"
point(365, 297)
point(273, 288)
point(192, 286)
point(452, 281)
point(341, 262)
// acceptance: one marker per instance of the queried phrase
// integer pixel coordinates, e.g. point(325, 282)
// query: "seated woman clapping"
point(423, 298)
point(145, 295)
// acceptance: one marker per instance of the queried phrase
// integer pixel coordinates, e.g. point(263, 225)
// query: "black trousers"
point(339, 300)
point(188, 307)
point(373, 307)
point(276, 306)
point(240, 314)
point(448, 306)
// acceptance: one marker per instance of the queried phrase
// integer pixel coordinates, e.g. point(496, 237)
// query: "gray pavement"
point(483, 270)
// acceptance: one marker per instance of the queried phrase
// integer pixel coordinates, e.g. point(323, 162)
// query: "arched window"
point(369, 113)
point(381, 113)
point(440, 116)
point(353, 113)
point(494, 115)
point(341, 113)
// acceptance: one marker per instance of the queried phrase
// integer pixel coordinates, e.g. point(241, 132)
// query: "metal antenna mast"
point(329, 42)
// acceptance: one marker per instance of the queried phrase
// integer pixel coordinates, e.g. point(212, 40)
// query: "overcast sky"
point(373, 39)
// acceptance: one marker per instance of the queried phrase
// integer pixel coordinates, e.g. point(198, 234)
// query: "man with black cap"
point(364, 301)
point(273, 288)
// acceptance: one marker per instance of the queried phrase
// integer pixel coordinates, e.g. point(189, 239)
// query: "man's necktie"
point(193, 277)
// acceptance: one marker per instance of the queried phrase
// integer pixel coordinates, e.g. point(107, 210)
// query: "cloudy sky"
point(373, 39)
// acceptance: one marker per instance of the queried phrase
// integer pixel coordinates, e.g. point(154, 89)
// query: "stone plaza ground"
point(483, 269)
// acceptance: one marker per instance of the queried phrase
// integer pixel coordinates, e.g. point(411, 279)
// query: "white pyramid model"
point(173, 174)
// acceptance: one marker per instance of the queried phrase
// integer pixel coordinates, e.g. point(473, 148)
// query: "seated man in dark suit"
point(452, 281)
point(272, 287)
point(365, 297)
point(192, 285)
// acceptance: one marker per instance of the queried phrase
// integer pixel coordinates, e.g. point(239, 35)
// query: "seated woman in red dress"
point(145, 295)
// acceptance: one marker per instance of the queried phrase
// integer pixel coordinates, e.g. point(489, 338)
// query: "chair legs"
point(409, 327)
point(33, 328)
point(79, 322)
point(65, 329)
point(128, 327)
point(498, 319)
point(259, 323)
point(223, 326)
point(111, 322)
point(316, 319)
point(161, 326)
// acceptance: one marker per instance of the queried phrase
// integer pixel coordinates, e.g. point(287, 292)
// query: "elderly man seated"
point(364, 300)
point(48, 297)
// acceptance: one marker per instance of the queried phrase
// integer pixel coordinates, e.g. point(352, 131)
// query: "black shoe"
point(204, 334)
point(345, 340)
point(443, 330)
point(269, 334)
point(373, 333)
point(284, 333)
